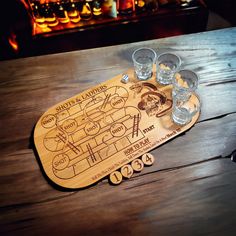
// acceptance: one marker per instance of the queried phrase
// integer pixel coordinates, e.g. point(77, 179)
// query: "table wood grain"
point(189, 190)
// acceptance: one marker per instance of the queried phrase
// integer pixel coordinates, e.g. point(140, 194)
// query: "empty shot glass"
point(167, 65)
point(144, 59)
point(185, 82)
point(185, 102)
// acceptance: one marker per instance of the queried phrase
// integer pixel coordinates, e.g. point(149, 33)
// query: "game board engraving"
point(48, 121)
point(135, 125)
point(90, 135)
point(155, 103)
point(94, 123)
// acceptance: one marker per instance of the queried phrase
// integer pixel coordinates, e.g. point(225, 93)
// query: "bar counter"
point(190, 188)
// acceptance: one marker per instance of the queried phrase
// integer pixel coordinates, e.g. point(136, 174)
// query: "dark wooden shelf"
point(106, 21)
point(162, 23)
point(167, 21)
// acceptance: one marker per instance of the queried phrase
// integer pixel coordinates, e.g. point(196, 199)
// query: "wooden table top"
point(189, 190)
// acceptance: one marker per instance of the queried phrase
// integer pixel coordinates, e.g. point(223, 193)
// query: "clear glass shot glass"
point(185, 102)
point(144, 59)
point(167, 65)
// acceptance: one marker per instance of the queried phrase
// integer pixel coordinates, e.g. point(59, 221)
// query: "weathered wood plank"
point(187, 200)
point(206, 140)
point(188, 190)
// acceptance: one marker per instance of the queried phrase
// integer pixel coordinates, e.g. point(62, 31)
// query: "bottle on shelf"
point(126, 7)
point(86, 12)
point(97, 10)
point(73, 13)
point(49, 15)
point(37, 14)
point(114, 11)
point(61, 13)
point(109, 8)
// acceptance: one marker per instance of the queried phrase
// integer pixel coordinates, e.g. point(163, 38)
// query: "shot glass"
point(185, 102)
point(144, 59)
point(167, 65)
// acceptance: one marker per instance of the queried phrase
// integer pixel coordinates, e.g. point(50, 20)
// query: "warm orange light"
point(12, 41)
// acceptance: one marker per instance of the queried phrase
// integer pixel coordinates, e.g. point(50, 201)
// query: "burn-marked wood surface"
point(87, 137)
point(189, 189)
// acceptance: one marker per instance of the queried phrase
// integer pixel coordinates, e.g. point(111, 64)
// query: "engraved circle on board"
point(118, 91)
point(48, 121)
point(155, 103)
point(92, 128)
point(54, 140)
point(118, 130)
point(91, 110)
point(69, 125)
point(131, 111)
point(117, 102)
point(60, 161)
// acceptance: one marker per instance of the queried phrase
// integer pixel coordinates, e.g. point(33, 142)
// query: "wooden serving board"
point(85, 138)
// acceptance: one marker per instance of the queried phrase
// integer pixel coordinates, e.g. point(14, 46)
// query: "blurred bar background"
point(38, 27)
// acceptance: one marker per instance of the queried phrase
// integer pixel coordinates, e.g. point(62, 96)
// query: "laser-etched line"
point(106, 101)
point(70, 145)
point(135, 125)
point(91, 153)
